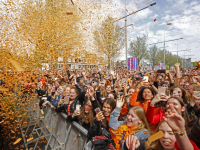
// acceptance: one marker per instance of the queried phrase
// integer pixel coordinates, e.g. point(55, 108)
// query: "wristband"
point(180, 133)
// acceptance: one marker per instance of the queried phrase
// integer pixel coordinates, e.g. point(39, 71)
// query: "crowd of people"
point(122, 108)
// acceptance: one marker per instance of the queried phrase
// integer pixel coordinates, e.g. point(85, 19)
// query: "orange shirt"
point(143, 105)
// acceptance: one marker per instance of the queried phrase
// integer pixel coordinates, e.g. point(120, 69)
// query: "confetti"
point(169, 23)
point(155, 136)
point(154, 20)
point(29, 139)
point(17, 141)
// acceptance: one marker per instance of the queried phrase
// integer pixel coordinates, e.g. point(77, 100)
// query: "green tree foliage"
point(152, 56)
point(138, 48)
point(109, 39)
point(170, 59)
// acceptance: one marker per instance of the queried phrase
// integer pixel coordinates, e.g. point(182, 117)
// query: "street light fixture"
point(152, 4)
point(164, 45)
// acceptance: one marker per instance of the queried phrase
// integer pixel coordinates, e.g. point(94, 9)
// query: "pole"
point(126, 36)
point(164, 50)
point(184, 58)
point(177, 53)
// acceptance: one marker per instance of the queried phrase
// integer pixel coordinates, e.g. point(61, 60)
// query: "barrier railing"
point(52, 126)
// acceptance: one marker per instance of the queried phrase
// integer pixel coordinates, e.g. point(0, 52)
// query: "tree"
point(153, 56)
point(138, 48)
point(170, 59)
point(109, 39)
point(52, 27)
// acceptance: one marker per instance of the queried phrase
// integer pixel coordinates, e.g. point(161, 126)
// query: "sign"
point(132, 63)
point(161, 66)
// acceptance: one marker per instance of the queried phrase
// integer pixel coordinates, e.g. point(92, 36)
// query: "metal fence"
point(48, 124)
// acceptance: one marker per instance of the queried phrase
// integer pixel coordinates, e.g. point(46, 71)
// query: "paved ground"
point(8, 143)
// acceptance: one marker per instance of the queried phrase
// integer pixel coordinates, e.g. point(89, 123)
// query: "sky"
point(152, 22)
point(182, 14)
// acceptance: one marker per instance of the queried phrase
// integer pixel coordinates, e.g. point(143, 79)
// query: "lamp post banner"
point(161, 66)
point(132, 63)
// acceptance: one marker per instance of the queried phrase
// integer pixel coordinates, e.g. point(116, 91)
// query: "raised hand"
point(76, 113)
point(91, 91)
point(99, 116)
point(174, 120)
point(132, 142)
point(177, 65)
point(120, 102)
point(158, 98)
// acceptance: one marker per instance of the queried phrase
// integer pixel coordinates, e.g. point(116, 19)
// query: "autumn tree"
point(53, 27)
point(109, 39)
point(138, 48)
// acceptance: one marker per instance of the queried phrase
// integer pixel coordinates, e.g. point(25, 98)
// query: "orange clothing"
point(143, 105)
point(134, 103)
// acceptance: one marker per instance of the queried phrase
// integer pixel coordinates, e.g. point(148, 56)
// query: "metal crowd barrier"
point(48, 124)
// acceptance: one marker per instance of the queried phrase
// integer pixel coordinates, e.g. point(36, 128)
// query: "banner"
point(132, 63)
point(161, 66)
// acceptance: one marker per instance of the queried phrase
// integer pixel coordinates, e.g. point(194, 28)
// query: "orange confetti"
point(29, 139)
point(154, 20)
point(69, 13)
point(169, 23)
point(17, 141)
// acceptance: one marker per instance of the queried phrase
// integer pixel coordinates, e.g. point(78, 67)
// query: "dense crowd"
point(122, 108)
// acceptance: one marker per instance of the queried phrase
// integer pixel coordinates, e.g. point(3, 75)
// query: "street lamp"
point(164, 44)
point(152, 4)
point(180, 51)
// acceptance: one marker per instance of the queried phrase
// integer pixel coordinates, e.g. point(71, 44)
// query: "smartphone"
point(124, 80)
point(162, 71)
point(137, 78)
point(167, 92)
point(145, 79)
point(97, 110)
point(112, 72)
point(161, 90)
point(175, 93)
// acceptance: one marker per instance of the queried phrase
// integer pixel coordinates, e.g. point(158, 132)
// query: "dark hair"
point(86, 118)
point(112, 103)
point(140, 96)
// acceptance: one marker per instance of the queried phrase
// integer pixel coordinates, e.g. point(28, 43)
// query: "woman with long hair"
point(141, 96)
point(83, 116)
point(175, 101)
point(100, 124)
point(135, 123)
point(76, 100)
point(175, 135)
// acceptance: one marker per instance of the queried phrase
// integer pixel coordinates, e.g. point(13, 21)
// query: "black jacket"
point(194, 133)
point(78, 100)
point(83, 124)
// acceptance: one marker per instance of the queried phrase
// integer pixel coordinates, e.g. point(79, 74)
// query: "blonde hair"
point(139, 111)
point(195, 87)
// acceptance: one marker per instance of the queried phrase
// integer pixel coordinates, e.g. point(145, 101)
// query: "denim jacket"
point(114, 124)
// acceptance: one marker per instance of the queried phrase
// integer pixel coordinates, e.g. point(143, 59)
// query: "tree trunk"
point(108, 62)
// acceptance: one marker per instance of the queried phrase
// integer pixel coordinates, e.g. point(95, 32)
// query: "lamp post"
point(164, 45)
point(152, 4)
point(179, 51)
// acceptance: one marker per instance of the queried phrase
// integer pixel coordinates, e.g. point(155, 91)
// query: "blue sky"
point(183, 15)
